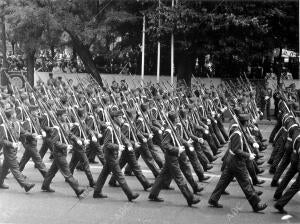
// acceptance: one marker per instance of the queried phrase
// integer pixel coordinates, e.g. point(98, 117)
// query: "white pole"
point(172, 54)
point(158, 52)
point(143, 50)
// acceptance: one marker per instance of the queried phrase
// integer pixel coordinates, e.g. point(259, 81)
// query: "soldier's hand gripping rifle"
point(7, 127)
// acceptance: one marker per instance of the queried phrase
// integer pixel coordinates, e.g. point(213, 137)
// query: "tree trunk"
point(52, 52)
point(185, 67)
point(30, 61)
point(3, 38)
point(86, 57)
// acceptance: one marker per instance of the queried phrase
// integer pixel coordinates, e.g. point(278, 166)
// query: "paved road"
point(63, 207)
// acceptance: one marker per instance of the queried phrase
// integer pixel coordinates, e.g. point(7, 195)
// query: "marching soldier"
point(80, 142)
point(30, 143)
point(10, 133)
point(60, 148)
point(114, 143)
point(235, 166)
point(171, 168)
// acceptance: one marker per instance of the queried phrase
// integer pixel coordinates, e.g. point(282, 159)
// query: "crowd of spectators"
point(46, 62)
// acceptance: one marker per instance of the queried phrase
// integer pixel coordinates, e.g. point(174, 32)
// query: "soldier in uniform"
point(171, 168)
point(114, 143)
point(235, 166)
point(80, 142)
point(10, 133)
point(128, 156)
point(60, 148)
point(282, 200)
point(30, 143)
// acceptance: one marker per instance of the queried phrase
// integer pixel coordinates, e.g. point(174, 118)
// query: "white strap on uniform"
point(294, 125)
point(240, 134)
point(295, 142)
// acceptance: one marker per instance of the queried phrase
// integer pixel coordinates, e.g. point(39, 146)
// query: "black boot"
point(260, 207)
point(47, 189)
point(99, 195)
point(194, 201)
point(28, 187)
point(215, 204)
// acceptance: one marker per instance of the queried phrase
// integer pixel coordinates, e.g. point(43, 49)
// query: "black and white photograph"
point(149, 111)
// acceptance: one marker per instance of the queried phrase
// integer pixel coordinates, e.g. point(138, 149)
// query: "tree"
point(229, 31)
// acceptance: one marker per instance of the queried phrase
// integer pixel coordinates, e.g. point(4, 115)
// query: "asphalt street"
point(37, 207)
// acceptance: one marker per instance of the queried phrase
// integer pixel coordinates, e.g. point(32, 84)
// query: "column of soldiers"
point(176, 132)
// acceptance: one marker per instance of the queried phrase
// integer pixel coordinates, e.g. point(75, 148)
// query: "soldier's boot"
point(197, 189)
point(28, 187)
point(130, 195)
point(79, 192)
point(188, 195)
point(47, 189)
point(99, 195)
point(259, 207)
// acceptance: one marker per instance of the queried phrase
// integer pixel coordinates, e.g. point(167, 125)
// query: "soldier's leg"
point(291, 172)
point(202, 158)
point(289, 194)
point(45, 147)
point(252, 172)
point(102, 178)
point(24, 160)
point(38, 162)
point(214, 137)
point(86, 167)
point(50, 174)
point(74, 160)
point(65, 171)
point(187, 172)
point(274, 131)
point(242, 177)
point(99, 153)
point(286, 159)
point(207, 151)
point(196, 164)
point(3, 171)
point(179, 179)
point(211, 143)
point(136, 169)
point(147, 157)
point(160, 181)
point(116, 170)
point(128, 170)
point(224, 181)
point(15, 170)
point(122, 162)
point(277, 159)
point(154, 150)
point(277, 146)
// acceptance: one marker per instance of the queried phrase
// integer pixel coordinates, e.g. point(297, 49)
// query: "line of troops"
point(184, 125)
